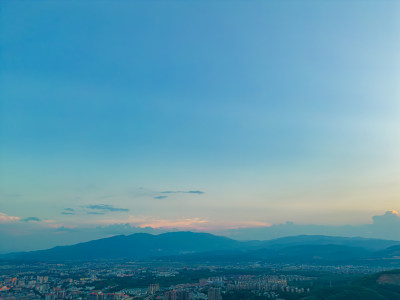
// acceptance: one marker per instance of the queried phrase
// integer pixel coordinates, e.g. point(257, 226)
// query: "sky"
point(196, 115)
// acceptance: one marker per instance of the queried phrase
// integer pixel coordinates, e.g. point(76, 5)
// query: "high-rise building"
point(93, 296)
point(97, 296)
point(214, 294)
point(154, 288)
point(177, 295)
point(170, 296)
point(109, 296)
point(100, 296)
point(183, 295)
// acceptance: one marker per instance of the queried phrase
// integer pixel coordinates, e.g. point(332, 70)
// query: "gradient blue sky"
point(275, 110)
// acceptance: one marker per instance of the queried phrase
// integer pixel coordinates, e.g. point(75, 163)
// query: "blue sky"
point(275, 110)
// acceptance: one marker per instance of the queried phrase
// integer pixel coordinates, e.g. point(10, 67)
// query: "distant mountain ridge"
point(205, 246)
point(138, 245)
point(367, 243)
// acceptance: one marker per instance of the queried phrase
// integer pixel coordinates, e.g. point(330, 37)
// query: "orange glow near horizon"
point(147, 221)
point(182, 224)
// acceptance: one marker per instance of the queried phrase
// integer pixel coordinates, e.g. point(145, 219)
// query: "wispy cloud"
point(155, 194)
point(192, 223)
point(66, 229)
point(106, 207)
point(95, 213)
point(158, 223)
point(183, 192)
point(31, 219)
point(67, 213)
point(10, 195)
point(4, 218)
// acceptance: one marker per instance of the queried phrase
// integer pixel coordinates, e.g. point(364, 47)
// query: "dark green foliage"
point(365, 288)
point(348, 293)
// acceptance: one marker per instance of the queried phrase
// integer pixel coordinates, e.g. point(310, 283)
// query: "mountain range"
point(191, 246)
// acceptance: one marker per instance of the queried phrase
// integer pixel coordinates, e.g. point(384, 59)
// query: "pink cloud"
point(4, 218)
point(147, 221)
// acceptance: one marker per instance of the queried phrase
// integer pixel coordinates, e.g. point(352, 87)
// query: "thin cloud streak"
point(31, 219)
point(183, 192)
point(106, 207)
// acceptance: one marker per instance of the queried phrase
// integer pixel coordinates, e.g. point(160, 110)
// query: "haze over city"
point(248, 119)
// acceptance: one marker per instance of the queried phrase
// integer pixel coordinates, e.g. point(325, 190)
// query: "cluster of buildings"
point(214, 288)
point(268, 283)
point(130, 280)
point(28, 286)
